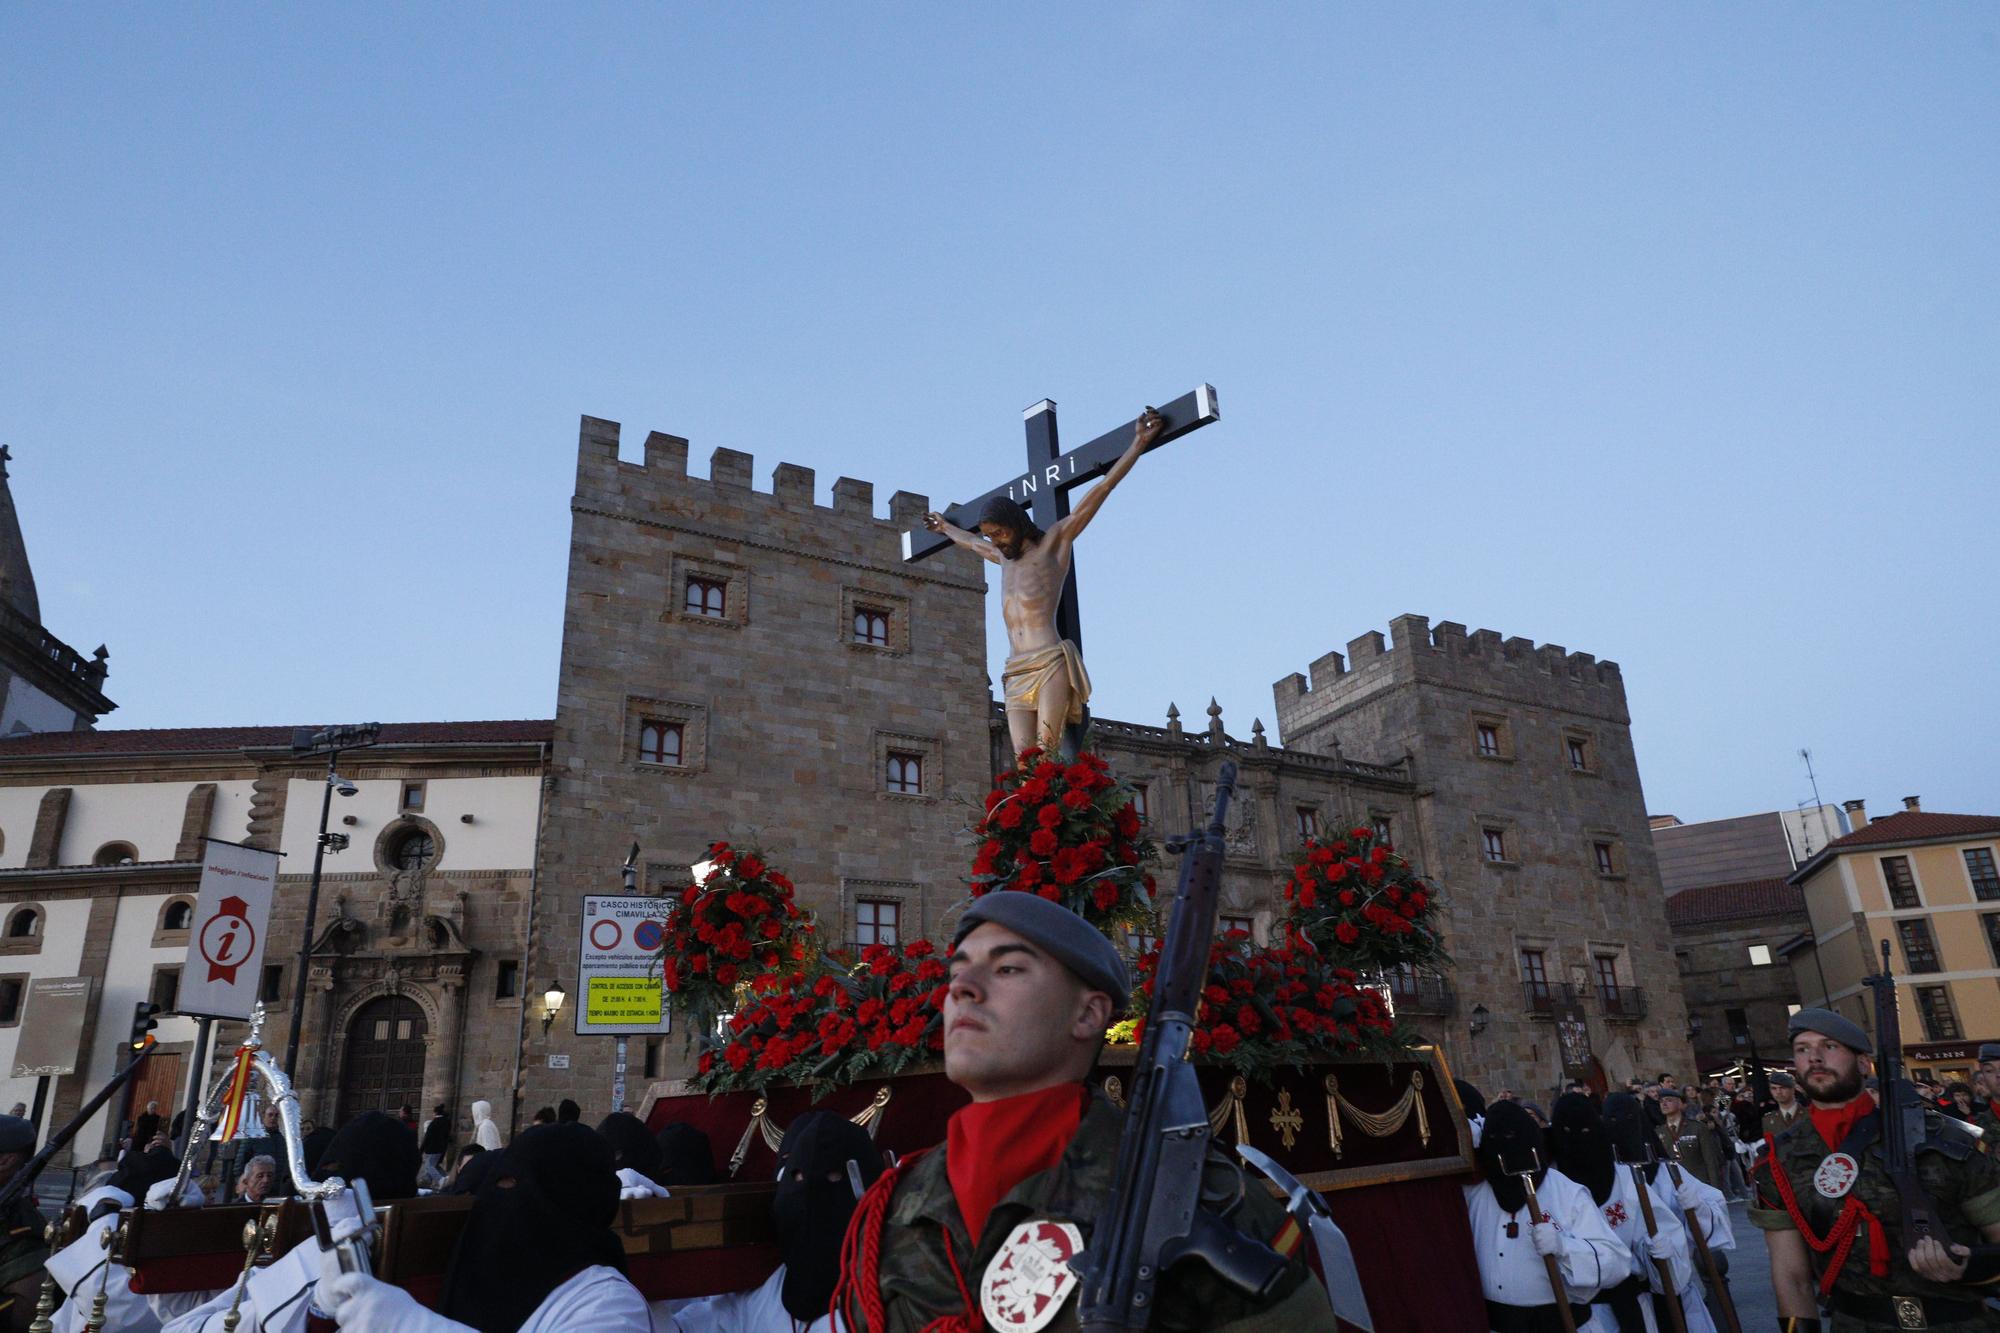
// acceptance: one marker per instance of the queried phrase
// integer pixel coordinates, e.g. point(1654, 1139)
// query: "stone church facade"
point(752, 665)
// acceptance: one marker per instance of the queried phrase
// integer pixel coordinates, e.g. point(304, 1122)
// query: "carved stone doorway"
point(384, 1067)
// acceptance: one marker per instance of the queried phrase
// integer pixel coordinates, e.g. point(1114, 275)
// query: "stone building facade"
point(1731, 942)
point(45, 685)
point(416, 989)
point(754, 665)
point(1530, 813)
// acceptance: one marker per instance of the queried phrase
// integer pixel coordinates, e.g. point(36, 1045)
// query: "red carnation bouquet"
point(738, 924)
point(867, 1017)
point(1071, 833)
point(1362, 905)
point(1277, 1007)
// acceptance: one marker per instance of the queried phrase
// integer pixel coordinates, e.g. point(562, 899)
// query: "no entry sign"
point(621, 992)
point(225, 959)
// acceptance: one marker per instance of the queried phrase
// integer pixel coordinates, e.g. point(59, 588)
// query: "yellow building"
point(1929, 885)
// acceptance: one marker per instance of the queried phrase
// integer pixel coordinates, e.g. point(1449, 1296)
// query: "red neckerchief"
point(990, 1147)
point(1835, 1123)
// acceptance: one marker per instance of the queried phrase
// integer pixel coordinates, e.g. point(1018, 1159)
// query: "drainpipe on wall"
point(528, 952)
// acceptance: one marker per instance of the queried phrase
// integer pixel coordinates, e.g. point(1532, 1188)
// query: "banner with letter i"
point(224, 970)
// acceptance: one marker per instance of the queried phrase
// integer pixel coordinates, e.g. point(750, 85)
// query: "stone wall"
point(1421, 696)
point(786, 721)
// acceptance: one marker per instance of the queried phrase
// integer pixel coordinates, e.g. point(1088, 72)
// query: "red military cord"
point(1840, 1237)
point(859, 1291)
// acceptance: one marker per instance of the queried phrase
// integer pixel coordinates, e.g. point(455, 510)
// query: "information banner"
point(620, 991)
point(224, 970)
point(52, 1026)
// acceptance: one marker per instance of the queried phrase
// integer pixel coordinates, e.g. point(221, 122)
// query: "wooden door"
point(158, 1080)
point(384, 1067)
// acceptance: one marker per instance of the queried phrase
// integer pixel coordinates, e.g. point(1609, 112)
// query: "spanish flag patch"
point(1289, 1237)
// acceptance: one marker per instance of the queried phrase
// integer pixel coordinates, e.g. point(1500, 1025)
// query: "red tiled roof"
point(1915, 826)
point(195, 740)
point(1731, 902)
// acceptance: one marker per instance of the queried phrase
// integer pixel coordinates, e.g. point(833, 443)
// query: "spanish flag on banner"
point(239, 1087)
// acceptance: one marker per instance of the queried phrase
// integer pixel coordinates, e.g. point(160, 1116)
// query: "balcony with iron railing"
point(1621, 1003)
point(1421, 993)
point(1544, 996)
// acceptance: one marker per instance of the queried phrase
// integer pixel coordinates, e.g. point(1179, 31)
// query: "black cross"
point(1043, 490)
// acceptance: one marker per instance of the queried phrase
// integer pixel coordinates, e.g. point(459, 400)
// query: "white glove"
point(191, 1197)
point(632, 1185)
point(1547, 1239)
point(358, 1301)
point(329, 1263)
point(1659, 1246)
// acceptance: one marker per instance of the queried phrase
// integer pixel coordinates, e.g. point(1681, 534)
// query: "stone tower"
point(1532, 818)
point(746, 664)
point(45, 685)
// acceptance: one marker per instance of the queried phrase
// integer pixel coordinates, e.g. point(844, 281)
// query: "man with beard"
point(1032, 988)
point(825, 1165)
point(1044, 680)
point(537, 1254)
point(1832, 1217)
point(1583, 1152)
point(1510, 1244)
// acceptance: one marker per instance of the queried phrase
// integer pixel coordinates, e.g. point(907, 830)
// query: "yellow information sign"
point(621, 1001)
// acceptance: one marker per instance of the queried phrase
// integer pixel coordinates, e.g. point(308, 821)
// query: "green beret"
point(1829, 1024)
point(1780, 1079)
point(1067, 938)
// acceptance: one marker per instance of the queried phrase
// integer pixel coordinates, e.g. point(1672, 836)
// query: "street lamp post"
point(329, 741)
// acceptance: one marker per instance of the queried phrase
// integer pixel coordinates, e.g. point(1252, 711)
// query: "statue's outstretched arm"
point(1150, 424)
point(971, 541)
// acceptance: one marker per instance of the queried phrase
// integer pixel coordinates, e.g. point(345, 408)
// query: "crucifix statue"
point(1029, 528)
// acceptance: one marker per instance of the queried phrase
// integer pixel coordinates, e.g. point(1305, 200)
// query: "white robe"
point(759, 1310)
point(1512, 1273)
point(1711, 1212)
point(81, 1269)
point(1627, 1220)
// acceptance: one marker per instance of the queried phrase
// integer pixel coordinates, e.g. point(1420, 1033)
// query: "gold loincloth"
point(1021, 680)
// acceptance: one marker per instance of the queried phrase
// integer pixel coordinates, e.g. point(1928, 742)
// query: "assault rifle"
point(1909, 1122)
point(1154, 1217)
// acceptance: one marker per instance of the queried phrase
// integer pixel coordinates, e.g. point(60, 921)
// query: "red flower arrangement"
point(1069, 832)
point(1282, 1006)
point(874, 1016)
point(738, 925)
point(1362, 905)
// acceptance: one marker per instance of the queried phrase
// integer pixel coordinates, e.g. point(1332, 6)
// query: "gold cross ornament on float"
point(1286, 1119)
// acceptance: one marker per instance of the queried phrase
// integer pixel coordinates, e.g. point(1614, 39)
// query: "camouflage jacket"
point(22, 1248)
point(1983, 1116)
point(916, 1276)
point(1965, 1188)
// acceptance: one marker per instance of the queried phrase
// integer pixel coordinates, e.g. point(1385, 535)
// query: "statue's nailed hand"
point(1151, 423)
point(934, 521)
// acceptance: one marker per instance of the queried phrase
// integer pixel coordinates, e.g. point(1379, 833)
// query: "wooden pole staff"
point(1537, 1216)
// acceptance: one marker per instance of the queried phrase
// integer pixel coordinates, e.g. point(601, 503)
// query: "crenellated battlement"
point(602, 477)
point(1445, 654)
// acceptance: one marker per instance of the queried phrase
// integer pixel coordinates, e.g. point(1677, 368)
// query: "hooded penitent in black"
point(140, 1171)
point(686, 1156)
point(1580, 1145)
point(472, 1171)
point(542, 1215)
point(1511, 1142)
point(378, 1148)
point(815, 1199)
point(1630, 1130)
point(632, 1144)
point(1470, 1098)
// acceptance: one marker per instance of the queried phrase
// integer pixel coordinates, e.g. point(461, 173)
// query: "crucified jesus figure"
point(1044, 680)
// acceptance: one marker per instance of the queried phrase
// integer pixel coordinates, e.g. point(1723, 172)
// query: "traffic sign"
point(224, 970)
point(621, 991)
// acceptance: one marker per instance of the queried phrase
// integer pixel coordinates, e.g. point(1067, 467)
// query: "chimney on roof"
point(1857, 814)
point(1910, 804)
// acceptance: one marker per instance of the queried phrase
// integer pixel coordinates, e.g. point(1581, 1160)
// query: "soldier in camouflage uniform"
point(1833, 1225)
point(1033, 986)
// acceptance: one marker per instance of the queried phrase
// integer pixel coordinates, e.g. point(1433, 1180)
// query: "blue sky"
point(1664, 333)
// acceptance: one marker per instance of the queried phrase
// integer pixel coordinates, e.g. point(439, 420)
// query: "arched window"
point(25, 924)
point(115, 854)
point(413, 851)
point(660, 742)
point(179, 915)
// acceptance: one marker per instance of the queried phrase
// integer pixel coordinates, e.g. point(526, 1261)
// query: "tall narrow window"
point(1384, 830)
point(1607, 979)
point(1980, 870)
point(1902, 884)
point(273, 988)
point(1535, 975)
point(1605, 864)
point(1227, 925)
point(507, 979)
point(178, 916)
point(1489, 740)
point(11, 991)
point(1940, 1019)
point(906, 773)
point(1579, 753)
point(871, 627)
point(1493, 842)
point(877, 921)
point(1141, 941)
point(1991, 920)
point(166, 990)
point(1919, 949)
point(1307, 820)
point(660, 742)
point(413, 795)
point(1139, 802)
point(705, 597)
